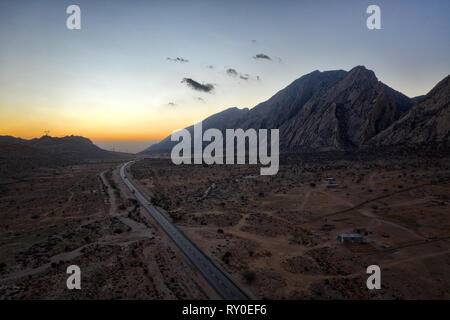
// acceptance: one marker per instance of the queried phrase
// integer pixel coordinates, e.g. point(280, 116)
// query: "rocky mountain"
point(428, 122)
point(286, 103)
point(228, 118)
point(269, 114)
point(331, 110)
point(344, 116)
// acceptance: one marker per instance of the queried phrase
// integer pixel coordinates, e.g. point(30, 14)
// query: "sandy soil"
point(277, 235)
point(82, 215)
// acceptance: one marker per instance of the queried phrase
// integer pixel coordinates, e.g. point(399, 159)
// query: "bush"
point(249, 275)
point(226, 257)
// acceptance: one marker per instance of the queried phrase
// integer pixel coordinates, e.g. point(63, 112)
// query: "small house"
point(350, 237)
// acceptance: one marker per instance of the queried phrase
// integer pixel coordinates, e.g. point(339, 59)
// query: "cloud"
point(262, 56)
point(178, 59)
point(244, 76)
point(205, 87)
point(199, 99)
point(232, 72)
point(254, 41)
point(171, 104)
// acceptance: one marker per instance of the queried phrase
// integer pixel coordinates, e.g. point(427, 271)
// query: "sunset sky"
point(112, 80)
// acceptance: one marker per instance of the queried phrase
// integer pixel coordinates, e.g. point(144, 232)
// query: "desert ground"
point(82, 215)
point(276, 236)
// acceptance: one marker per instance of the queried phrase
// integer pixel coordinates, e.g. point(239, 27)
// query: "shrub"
point(249, 276)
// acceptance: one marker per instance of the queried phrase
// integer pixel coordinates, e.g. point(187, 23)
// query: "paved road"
point(223, 285)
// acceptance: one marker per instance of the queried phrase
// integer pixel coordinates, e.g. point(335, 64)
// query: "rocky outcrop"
point(428, 122)
point(345, 116)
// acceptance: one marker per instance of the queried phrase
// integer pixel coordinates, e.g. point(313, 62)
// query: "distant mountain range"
point(19, 157)
point(340, 110)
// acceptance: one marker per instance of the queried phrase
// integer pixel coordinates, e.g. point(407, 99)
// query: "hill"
point(19, 157)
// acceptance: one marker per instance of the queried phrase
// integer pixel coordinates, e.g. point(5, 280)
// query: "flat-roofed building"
point(350, 237)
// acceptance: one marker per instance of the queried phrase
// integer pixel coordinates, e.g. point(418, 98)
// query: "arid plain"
point(277, 235)
point(83, 215)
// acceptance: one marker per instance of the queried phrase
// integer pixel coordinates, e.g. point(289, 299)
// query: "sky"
point(138, 70)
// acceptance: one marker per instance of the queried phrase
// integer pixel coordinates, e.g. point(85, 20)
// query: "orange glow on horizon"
point(114, 128)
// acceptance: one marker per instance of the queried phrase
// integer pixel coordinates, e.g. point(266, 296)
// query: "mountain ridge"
point(428, 122)
point(321, 111)
point(20, 156)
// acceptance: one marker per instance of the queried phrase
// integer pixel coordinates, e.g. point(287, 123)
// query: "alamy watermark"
point(374, 20)
point(374, 280)
point(73, 22)
point(74, 280)
point(236, 151)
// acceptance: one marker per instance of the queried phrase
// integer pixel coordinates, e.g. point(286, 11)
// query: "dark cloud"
point(178, 59)
point(232, 72)
point(172, 104)
point(205, 87)
point(262, 56)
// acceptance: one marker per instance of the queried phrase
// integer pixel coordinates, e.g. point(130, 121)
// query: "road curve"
point(218, 280)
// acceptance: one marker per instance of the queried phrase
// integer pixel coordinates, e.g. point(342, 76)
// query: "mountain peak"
point(361, 72)
point(443, 87)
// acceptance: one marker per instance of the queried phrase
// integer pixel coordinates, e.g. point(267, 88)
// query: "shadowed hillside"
point(19, 157)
